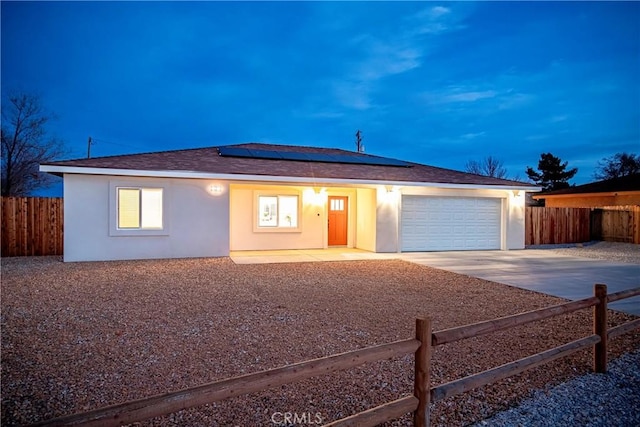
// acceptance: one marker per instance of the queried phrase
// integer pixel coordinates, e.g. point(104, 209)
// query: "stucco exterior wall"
point(387, 220)
point(366, 219)
point(199, 222)
point(244, 235)
point(513, 215)
point(196, 222)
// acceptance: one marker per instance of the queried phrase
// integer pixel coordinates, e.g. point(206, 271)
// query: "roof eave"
point(595, 194)
point(61, 170)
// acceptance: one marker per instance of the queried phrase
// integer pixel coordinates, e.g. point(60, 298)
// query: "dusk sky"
point(439, 83)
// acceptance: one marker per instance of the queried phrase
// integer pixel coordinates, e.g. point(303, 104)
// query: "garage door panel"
point(450, 223)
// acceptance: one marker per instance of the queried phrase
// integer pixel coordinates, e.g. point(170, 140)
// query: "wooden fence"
point(31, 226)
point(556, 225)
point(422, 347)
point(545, 225)
point(616, 224)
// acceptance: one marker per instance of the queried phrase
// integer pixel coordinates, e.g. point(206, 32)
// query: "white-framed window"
point(138, 209)
point(278, 212)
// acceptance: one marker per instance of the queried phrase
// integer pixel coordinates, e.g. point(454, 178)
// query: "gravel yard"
point(78, 336)
point(591, 400)
point(610, 251)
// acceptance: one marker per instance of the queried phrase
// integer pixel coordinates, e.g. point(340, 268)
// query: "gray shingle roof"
point(624, 183)
point(207, 160)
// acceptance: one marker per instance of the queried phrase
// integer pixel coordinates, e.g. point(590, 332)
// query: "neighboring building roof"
point(209, 161)
point(614, 185)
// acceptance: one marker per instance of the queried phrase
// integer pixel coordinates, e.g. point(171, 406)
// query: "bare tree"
point(489, 166)
point(617, 166)
point(25, 144)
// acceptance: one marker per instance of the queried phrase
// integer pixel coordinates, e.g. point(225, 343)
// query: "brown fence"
point(423, 394)
point(616, 224)
point(556, 225)
point(545, 225)
point(31, 226)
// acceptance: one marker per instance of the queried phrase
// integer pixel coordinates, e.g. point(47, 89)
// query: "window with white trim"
point(139, 208)
point(280, 211)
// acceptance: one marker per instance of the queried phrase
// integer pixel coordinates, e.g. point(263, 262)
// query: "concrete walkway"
point(533, 269)
point(306, 255)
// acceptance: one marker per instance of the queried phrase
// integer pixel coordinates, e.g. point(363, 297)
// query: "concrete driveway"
point(541, 271)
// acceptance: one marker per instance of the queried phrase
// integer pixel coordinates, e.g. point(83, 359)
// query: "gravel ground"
point(78, 336)
point(592, 400)
point(610, 251)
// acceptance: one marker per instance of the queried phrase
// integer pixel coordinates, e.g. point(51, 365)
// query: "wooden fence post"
point(422, 384)
point(600, 329)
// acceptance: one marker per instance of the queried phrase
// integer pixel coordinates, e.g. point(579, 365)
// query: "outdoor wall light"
point(388, 194)
point(319, 196)
point(392, 189)
point(216, 189)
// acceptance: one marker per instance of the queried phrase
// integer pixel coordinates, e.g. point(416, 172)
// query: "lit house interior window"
point(140, 208)
point(278, 211)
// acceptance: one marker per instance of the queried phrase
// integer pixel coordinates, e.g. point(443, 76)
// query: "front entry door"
point(338, 221)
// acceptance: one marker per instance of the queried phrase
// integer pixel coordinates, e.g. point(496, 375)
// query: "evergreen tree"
point(553, 173)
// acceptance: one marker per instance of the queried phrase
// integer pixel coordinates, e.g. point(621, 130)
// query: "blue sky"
point(440, 83)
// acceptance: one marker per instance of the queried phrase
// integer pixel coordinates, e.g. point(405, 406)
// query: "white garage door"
point(450, 223)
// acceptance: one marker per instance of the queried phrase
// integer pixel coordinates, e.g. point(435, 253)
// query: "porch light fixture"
point(318, 196)
point(216, 189)
point(388, 193)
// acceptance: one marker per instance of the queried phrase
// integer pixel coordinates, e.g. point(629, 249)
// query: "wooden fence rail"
point(143, 409)
point(422, 346)
point(495, 325)
point(507, 370)
point(31, 226)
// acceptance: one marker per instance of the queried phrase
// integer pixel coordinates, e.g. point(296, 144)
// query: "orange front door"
point(338, 220)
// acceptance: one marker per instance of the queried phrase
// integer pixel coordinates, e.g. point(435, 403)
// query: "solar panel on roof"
point(291, 155)
point(322, 157)
point(376, 161)
point(264, 154)
point(386, 162)
point(353, 159)
point(233, 152)
point(360, 159)
point(339, 158)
